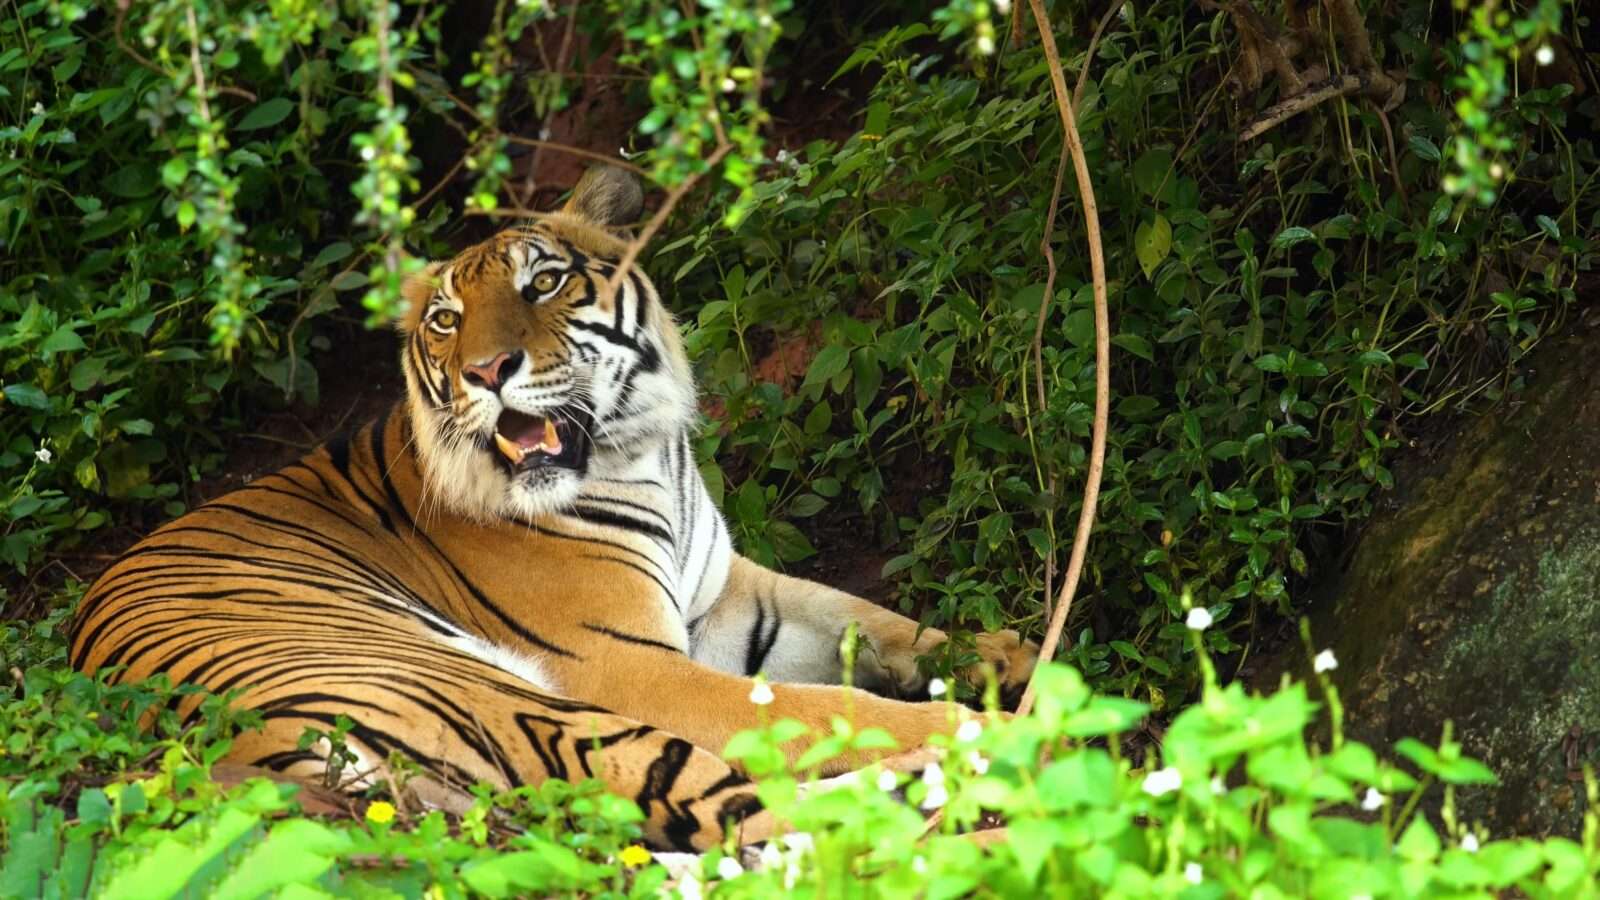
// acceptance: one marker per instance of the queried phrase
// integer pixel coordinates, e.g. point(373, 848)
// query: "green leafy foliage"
point(1283, 314)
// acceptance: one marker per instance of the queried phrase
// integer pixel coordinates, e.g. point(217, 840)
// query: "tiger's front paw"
point(1013, 660)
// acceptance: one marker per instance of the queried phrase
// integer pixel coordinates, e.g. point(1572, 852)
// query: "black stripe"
point(632, 638)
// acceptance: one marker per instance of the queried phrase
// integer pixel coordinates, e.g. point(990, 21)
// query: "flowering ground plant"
point(1236, 799)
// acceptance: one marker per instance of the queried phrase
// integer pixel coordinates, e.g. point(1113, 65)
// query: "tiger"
point(516, 573)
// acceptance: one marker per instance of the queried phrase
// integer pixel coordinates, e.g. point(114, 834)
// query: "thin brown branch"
point(1038, 342)
point(578, 151)
point(1102, 347)
point(1280, 112)
point(656, 221)
point(194, 63)
point(1088, 57)
point(122, 17)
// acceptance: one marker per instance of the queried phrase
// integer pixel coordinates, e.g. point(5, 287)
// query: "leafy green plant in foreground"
point(1238, 801)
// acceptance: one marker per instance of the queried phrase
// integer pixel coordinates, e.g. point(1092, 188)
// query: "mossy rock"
point(1477, 600)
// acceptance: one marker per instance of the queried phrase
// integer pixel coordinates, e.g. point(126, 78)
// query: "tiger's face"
point(525, 374)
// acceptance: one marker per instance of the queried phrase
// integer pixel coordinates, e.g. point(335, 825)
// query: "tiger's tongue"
point(526, 434)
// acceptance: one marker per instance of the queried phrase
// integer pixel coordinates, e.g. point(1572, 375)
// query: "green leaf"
point(829, 362)
point(877, 119)
point(806, 506)
point(26, 395)
point(267, 114)
point(1152, 243)
point(1136, 345)
point(1424, 149)
point(1227, 449)
point(1292, 235)
point(818, 420)
point(1549, 227)
point(331, 254)
point(1032, 841)
point(132, 181)
point(63, 340)
point(1153, 171)
point(86, 373)
point(790, 544)
point(1080, 327)
point(1419, 843)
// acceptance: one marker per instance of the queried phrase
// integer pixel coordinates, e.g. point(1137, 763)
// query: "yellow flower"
point(634, 856)
point(380, 812)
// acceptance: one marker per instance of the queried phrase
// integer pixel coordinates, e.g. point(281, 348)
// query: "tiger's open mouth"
point(559, 438)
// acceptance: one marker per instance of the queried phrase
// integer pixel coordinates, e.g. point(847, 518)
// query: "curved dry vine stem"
point(1050, 281)
point(1102, 344)
point(1072, 145)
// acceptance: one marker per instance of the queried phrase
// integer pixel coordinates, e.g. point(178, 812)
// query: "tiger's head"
point(525, 374)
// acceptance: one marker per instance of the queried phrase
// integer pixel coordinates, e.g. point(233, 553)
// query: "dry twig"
point(660, 217)
point(1102, 329)
point(1276, 114)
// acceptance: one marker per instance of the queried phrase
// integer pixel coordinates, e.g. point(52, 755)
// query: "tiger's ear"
point(606, 196)
point(416, 290)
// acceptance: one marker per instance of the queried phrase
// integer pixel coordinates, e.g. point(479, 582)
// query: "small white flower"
point(38, 109)
point(1373, 800)
point(1199, 619)
point(42, 454)
point(1002, 6)
point(1497, 171)
point(887, 781)
point(761, 694)
point(728, 868)
point(689, 887)
point(798, 842)
point(1217, 787)
point(783, 157)
point(1325, 662)
point(933, 776)
point(729, 85)
point(937, 797)
point(1470, 843)
point(969, 731)
point(369, 153)
point(978, 762)
point(985, 45)
point(936, 687)
point(919, 865)
point(1544, 56)
point(771, 856)
point(766, 20)
point(1193, 874)
point(1163, 781)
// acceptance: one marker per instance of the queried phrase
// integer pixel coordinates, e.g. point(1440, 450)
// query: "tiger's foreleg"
point(707, 706)
point(791, 629)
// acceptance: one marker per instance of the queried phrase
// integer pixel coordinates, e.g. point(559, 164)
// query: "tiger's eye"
point(446, 319)
point(544, 282)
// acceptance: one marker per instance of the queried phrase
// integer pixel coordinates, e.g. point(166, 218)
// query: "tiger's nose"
point(493, 373)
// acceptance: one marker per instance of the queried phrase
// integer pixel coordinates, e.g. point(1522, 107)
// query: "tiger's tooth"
point(508, 448)
point(552, 440)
